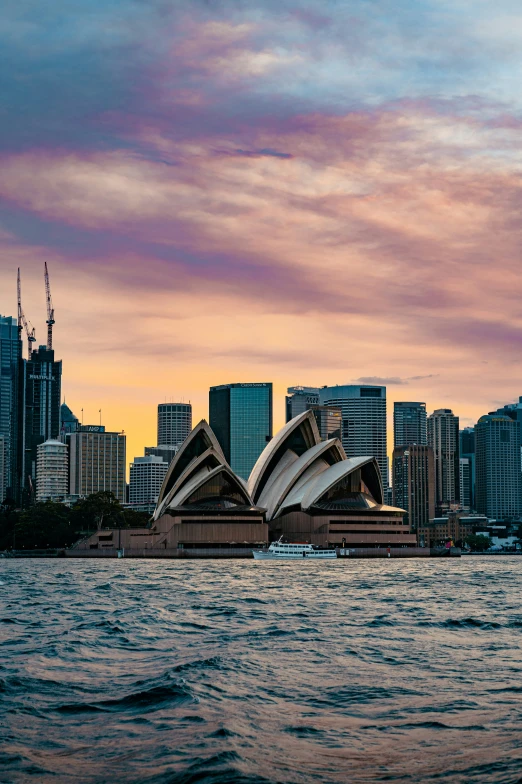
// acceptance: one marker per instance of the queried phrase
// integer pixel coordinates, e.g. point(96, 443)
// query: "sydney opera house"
point(301, 487)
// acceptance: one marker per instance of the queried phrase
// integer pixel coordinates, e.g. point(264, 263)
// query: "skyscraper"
point(467, 452)
point(299, 399)
point(174, 423)
point(414, 483)
point(69, 423)
point(10, 358)
point(241, 418)
point(498, 467)
point(465, 481)
point(363, 421)
point(146, 477)
point(409, 424)
point(52, 475)
point(443, 437)
point(97, 461)
point(39, 395)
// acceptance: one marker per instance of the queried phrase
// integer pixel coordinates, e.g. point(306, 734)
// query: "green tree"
point(8, 518)
point(99, 510)
point(45, 525)
point(478, 542)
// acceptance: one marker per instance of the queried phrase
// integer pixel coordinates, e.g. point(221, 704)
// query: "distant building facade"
point(329, 421)
point(467, 452)
point(409, 424)
point(498, 467)
point(145, 479)
point(443, 437)
point(241, 418)
point(69, 423)
point(97, 461)
point(456, 526)
point(465, 482)
point(363, 410)
point(167, 453)
point(52, 472)
point(174, 423)
point(299, 399)
point(10, 361)
point(414, 483)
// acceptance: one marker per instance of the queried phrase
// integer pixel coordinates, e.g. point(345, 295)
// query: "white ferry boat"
point(293, 550)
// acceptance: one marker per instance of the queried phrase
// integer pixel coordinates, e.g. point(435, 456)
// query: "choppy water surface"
point(243, 672)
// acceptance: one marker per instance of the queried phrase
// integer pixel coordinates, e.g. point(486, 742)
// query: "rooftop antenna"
point(50, 309)
point(22, 321)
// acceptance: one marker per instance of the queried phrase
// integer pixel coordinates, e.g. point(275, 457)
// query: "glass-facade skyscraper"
point(10, 359)
point(241, 418)
point(497, 452)
point(363, 421)
point(39, 397)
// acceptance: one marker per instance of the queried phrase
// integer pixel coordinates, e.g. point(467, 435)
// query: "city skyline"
point(245, 187)
point(141, 429)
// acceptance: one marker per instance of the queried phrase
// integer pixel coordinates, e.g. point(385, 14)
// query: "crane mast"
point(50, 309)
point(22, 321)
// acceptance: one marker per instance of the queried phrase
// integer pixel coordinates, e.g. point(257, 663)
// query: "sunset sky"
point(312, 192)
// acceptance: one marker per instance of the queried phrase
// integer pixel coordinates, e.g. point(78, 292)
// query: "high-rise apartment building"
point(241, 418)
point(97, 461)
point(465, 482)
point(10, 360)
point(443, 437)
point(363, 421)
point(174, 423)
point(39, 395)
point(409, 424)
point(52, 471)
point(414, 483)
point(299, 399)
point(498, 467)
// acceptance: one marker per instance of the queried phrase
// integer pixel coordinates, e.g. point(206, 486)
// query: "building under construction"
point(38, 393)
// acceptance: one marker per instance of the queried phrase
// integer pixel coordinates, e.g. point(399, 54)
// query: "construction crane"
point(50, 309)
point(22, 321)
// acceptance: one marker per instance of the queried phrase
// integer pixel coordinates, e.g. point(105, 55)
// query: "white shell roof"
point(191, 468)
point(310, 492)
point(201, 426)
point(286, 481)
point(270, 449)
point(199, 479)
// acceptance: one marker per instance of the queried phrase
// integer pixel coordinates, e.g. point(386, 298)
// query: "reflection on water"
point(242, 672)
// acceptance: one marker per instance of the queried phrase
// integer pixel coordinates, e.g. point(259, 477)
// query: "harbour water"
point(244, 672)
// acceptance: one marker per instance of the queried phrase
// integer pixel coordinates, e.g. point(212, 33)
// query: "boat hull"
point(265, 555)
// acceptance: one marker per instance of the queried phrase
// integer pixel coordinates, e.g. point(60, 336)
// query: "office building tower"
point(498, 467)
point(174, 423)
point(52, 471)
point(409, 424)
point(465, 482)
point(167, 453)
point(363, 421)
point(10, 360)
point(329, 421)
point(39, 396)
point(146, 477)
point(241, 418)
point(69, 423)
point(414, 483)
point(300, 399)
point(443, 437)
point(467, 451)
point(97, 461)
